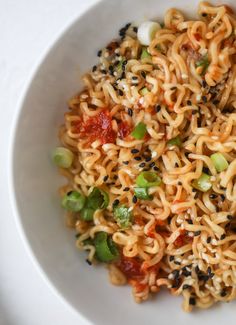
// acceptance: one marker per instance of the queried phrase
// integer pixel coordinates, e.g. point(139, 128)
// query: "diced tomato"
point(130, 267)
point(197, 36)
point(182, 239)
point(98, 127)
point(123, 130)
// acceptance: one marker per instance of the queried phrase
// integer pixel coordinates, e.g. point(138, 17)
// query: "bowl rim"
point(11, 153)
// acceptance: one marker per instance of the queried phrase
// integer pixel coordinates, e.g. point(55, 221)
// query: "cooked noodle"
point(183, 239)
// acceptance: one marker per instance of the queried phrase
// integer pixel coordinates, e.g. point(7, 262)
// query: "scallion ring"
point(62, 157)
point(106, 249)
point(142, 193)
point(219, 162)
point(98, 199)
point(148, 179)
point(139, 131)
point(73, 201)
point(203, 183)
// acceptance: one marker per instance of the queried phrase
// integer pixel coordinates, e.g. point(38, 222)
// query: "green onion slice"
point(148, 179)
point(139, 131)
point(106, 249)
point(175, 142)
point(86, 214)
point(219, 161)
point(123, 216)
point(142, 193)
point(144, 91)
point(73, 201)
point(62, 157)
point(203, 62)
point(203, 183)
point(98, 199)
point(145, 54)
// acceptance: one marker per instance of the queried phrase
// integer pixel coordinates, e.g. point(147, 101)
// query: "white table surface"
point(27, 28)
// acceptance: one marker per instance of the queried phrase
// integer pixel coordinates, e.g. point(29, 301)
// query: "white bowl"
point(34, 180)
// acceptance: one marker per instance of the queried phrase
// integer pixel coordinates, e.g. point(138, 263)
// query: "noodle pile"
point(183, 238)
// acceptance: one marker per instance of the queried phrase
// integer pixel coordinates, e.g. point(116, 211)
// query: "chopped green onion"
point(73, 201)
point(175, 142)
point(219, 161)
point(139, 131)
point(145, 54)
point(142, 193)
point(203, 183)
point(119, 65)
point(62, 157)
point(86, 214)
point(144, 91)
point(106, 249)
point(123, 216)
point(98, 199)
point(148, 179)
point(203, 62)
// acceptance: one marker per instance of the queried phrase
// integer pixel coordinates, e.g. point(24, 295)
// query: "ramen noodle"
point(149, 154)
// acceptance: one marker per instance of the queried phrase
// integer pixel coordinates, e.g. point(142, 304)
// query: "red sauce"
point(197, 36)
point(123, 130)
point(130, 267)
point(99, 127)
point(183, 239)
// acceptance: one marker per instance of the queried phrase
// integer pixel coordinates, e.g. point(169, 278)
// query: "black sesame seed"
point(138, 158)
point(126, 189)
point(222, 197)
point(143, 74)
point(122, 75)
point(204, 98)
point(203, 277)
point(134, 151)
point(127, 26)
point(189, 102)
point(124, 63)
point(94, 68)
point(222, 237)
point(204, 14)
point(192, 301)
point(156, 168)
point(204, 83)
point(116, 202)
point(103, 71)
point(142, 164)
point(189, 221)
point(152, 164)
point(229, 217)
point(120, 92)
point(197, 270)
point(186, 286)
point(105, 178)
point(125, 162)
point(99, 53)
point(130, 112)
point(171, 258)
point(175, 274)
point(197, 233)
point(223, 293)
point(88, 261)
point(213, 196)
point(185, 272)
point(135, 29)
point(134, 199)
point(208, 240)
point(157, 108)
point(147, 159)
point(209, 270)
point(134, 78)
point(205, 170)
